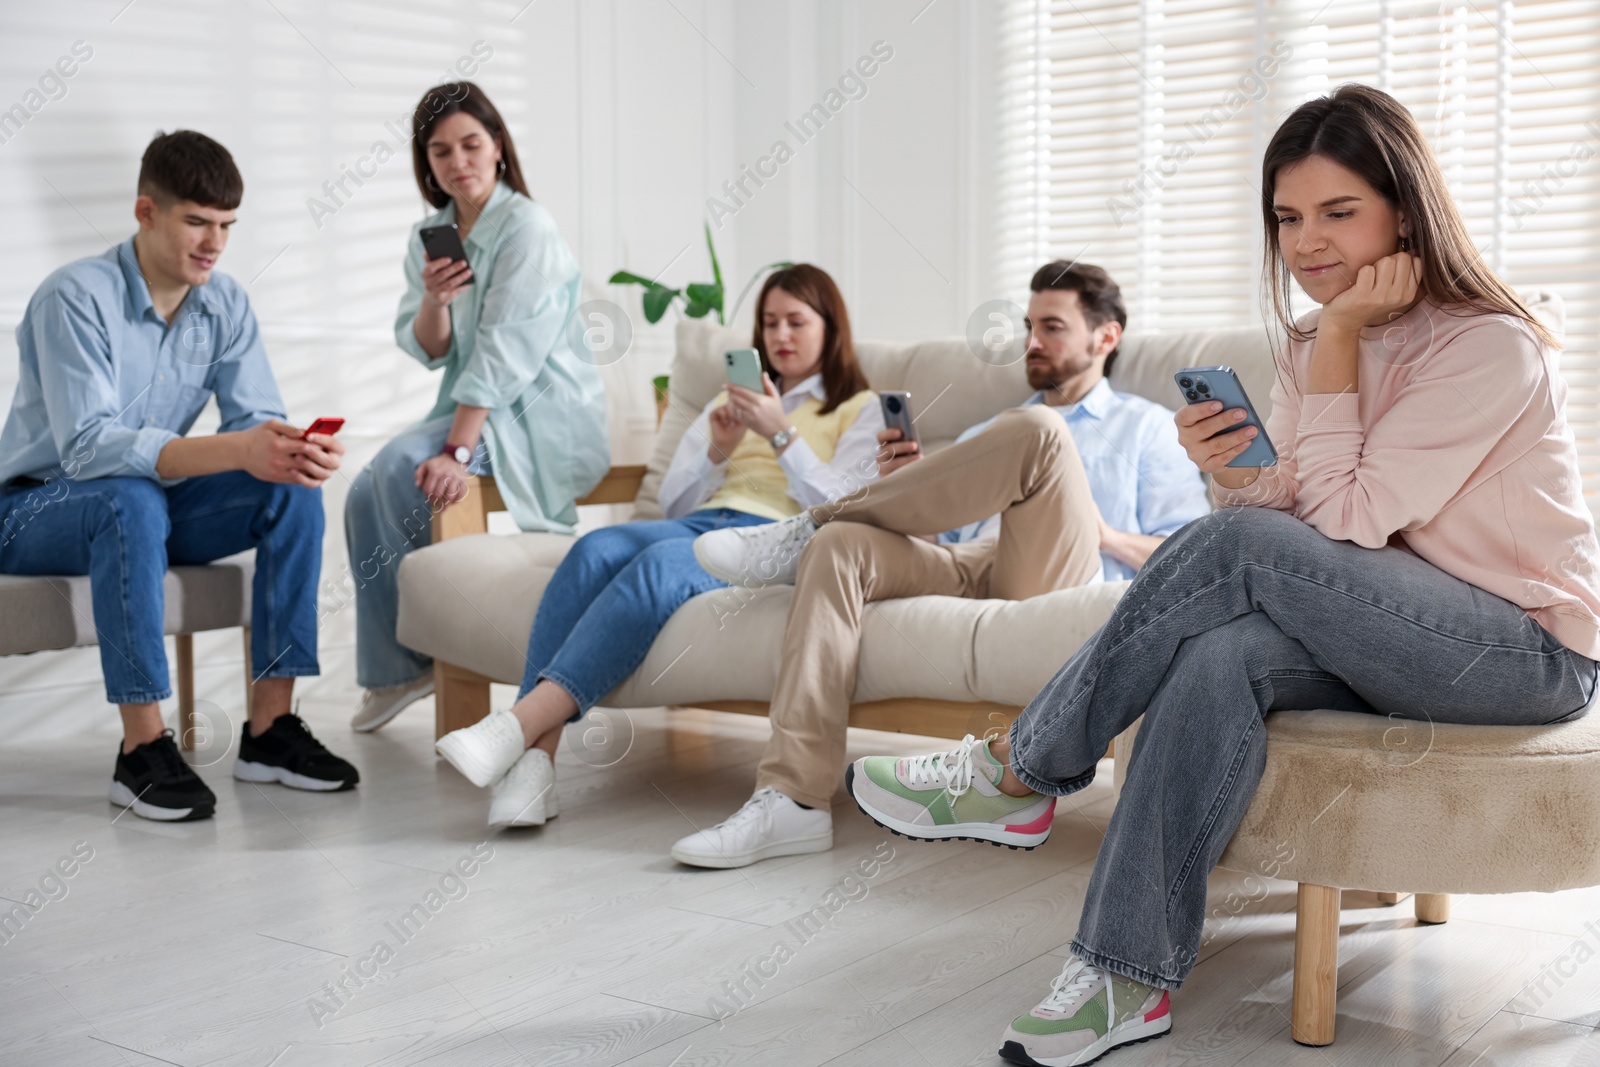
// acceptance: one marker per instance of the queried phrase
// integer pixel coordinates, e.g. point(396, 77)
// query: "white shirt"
point(691, 478)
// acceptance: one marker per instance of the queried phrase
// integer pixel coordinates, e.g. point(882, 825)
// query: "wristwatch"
point(460, 453)
point(782, 438)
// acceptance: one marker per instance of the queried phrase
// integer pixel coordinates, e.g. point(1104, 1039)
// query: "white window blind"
point(1131, 136)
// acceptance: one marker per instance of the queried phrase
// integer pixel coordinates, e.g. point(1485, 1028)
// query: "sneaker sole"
point(124, 798)
point(547, 811)
point(246, 771)
point(1013, 1052)
point(993, 833)
point(719, 861)
point(372, 724)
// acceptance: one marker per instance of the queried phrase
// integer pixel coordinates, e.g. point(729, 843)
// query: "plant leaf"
point(695, 309)
point(656, 301)
point(623, 277)
point(708, 293)
point(716, 268)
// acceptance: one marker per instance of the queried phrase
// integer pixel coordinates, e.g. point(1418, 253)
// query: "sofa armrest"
point(471, 514)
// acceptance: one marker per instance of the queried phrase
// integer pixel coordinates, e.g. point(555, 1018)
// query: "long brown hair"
point(841, 374)
point(1369, 132)
point(440, 103)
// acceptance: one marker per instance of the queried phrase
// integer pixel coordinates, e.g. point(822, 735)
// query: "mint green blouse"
point(511, 351)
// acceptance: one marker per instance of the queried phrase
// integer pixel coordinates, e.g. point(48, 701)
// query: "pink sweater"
point(1456, 448)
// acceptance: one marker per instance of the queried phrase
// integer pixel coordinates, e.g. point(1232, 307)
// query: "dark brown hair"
point(841, 374)
point(185, 165)
point(440, 103)
point(1369, 132)
point(1098, 295)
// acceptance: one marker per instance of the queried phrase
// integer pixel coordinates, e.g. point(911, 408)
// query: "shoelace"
point(952, 769)
point(303, 738)
point(757, 806)
point(164, 752)
point(1075, 979)
point(795, 533)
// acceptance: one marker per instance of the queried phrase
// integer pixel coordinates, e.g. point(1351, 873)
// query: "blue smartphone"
point(744, 369)
point(1200, 384)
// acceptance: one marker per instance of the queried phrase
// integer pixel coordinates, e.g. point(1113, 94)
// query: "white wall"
point(628, 115)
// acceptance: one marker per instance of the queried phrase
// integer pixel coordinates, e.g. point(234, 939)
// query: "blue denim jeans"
point(386, 517)
point(612, 595)
point(124, 532)
point(1237, 614)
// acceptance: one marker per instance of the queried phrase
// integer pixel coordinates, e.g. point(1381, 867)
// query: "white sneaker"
point(378, 706)
point(526, 796)
point(754, 556)
point(769, 824)
point(486, 750)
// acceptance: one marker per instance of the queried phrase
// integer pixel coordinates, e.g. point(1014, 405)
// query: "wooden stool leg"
point(1433, 907)
point(1389, 899)
point(249, 678)
point(460, 698)
point(1316, 964)
point(184, 645)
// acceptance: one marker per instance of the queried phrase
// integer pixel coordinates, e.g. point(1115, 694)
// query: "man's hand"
point(893, 453)
point(275, 451)
point(726, 432)
point(442, 480)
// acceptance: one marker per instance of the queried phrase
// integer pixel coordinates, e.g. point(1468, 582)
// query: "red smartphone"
point(325, 425)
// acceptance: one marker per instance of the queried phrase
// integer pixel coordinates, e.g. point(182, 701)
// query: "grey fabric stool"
point(41, 613)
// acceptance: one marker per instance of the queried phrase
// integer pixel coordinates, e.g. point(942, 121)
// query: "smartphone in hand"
point(744, 369)
point(897, 415)
point(1202, 384)
point(442, 242)
point(327, 425)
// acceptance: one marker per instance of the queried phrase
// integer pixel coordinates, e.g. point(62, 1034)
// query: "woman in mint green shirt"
point(520, 395)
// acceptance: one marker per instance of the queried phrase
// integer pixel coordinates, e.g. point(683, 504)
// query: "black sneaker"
point(286, 752)
point(154, 781)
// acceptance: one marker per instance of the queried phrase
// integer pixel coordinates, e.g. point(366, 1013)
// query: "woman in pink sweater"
point(1422, 550)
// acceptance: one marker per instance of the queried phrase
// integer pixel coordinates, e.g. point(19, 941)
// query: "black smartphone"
point(443, 242)
point(897, 414)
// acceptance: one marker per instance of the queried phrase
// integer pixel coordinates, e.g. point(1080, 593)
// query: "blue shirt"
point(105, 382)
point(1141, 478)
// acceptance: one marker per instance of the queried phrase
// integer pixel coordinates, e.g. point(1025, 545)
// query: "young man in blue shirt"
point(1086, 481)
point(119, 354)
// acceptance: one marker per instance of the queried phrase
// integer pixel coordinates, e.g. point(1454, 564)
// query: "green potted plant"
point(699, 298)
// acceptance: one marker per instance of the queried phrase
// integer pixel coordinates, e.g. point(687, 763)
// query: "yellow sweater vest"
point(755, 482)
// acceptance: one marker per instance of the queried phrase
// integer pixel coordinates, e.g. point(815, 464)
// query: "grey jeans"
point(1240, 613)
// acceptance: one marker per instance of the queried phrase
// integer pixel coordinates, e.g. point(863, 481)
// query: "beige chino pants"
point(1025, 466)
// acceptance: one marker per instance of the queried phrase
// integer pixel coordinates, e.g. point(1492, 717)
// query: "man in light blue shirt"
point(1083, 498)
point(119, 354)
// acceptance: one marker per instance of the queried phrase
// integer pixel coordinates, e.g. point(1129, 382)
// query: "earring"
point(427, 180)
point(500, 166)
point(1405, 244)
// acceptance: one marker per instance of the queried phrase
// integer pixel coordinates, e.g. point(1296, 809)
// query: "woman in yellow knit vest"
point(748, 458)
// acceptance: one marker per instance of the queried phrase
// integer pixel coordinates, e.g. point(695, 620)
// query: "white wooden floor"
point(217, 942)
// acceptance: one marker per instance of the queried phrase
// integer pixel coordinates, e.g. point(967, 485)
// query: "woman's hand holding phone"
point(1211, 437)
point(761, 412)
point(726, 432)
point(443, 280)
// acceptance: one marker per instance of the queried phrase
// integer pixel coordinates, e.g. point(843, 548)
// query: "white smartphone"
point(744, 369)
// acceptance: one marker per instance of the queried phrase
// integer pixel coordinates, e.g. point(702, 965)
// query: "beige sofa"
point(931, 665)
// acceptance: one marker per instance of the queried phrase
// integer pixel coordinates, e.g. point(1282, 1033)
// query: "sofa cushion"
point(471, 601)
point(57, 612)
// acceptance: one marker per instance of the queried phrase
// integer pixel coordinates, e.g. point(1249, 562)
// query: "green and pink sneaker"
point(1088, 1013)
point(947, 795)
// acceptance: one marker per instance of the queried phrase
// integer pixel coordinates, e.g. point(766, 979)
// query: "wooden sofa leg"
point(1433, 907)
point(184, 646)
point(459, 699)
point(1391, 899)
point(1316, 964)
